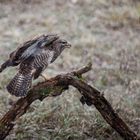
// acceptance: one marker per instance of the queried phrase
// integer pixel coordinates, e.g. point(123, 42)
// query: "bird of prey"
point(32, 57)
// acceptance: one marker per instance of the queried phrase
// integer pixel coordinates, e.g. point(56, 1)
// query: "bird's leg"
point(44, 77)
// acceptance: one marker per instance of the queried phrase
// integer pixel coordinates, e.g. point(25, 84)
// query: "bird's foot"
point(44, 77)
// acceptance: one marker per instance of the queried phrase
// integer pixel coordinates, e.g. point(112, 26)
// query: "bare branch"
point(54, 87)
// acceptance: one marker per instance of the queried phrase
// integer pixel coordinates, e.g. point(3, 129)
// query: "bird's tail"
point(20, 84)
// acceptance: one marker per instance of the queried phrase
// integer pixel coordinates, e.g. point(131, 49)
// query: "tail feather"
point(20, 84)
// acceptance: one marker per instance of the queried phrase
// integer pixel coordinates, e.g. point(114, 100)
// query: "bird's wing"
point(31, 48)
point(15, 57)
point(48, 40)
point(21, 49)
point(28, 48)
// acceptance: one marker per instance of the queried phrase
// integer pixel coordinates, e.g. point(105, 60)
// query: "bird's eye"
point(63, 41)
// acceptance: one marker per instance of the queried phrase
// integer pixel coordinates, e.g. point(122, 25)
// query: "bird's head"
point(60, 44)
point(53, 41)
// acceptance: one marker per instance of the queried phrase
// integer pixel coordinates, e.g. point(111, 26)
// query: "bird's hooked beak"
point(68, 45)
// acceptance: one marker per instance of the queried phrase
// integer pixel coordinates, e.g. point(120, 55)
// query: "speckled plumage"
point(32, 57)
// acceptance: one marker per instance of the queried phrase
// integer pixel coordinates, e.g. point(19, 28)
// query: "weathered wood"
point(54, 87)
point(103, 106)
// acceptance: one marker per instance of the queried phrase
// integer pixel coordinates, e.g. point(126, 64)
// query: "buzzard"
point(33, 57)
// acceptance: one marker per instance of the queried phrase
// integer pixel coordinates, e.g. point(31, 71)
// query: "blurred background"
point(105, 32)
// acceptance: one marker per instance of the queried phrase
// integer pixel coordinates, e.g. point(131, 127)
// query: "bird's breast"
point(51, 55)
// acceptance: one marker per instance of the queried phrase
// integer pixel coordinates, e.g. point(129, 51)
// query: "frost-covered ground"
point(105, 32)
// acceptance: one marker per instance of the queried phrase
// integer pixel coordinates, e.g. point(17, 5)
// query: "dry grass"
point(104, 32)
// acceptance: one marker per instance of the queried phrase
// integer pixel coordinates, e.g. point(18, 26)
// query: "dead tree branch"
point(54, 87)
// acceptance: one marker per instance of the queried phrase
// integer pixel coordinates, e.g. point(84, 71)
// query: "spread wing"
point(32, 47)
point(16, 55)
point(27, 49)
